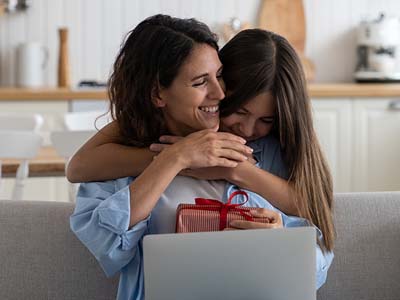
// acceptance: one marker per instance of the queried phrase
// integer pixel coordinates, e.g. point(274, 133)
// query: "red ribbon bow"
point(225, 207)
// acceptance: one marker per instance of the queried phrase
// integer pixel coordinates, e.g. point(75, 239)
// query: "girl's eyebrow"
point(269, 118)
point(265, 117)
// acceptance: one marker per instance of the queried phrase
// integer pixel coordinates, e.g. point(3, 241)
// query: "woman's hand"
point(211, 173)
point(219, 173)
point(208, 173)
point(274, 217)
point(167, 140)
point(207, 148)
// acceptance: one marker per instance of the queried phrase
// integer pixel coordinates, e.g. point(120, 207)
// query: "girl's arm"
point(277, 190)
point(102, 157)
point(247, 176)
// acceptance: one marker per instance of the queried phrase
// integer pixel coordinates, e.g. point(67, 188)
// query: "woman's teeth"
point(211, 109)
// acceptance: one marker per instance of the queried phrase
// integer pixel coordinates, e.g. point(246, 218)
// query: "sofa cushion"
point(42, 259)
point(367, 251)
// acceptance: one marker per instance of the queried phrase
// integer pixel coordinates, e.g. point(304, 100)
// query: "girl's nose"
point(247, 129)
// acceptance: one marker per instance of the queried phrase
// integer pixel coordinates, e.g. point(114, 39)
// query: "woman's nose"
point(216, 91)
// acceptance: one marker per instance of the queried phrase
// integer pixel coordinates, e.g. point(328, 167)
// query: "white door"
point(377, 144)
point(332, 122)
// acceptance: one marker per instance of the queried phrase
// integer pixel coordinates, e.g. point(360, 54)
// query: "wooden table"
point(47, 163)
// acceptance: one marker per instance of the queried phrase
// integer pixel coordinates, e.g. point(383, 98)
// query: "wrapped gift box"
point(212, 215)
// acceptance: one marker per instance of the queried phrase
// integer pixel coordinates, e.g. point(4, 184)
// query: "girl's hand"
point(207, 148)
point(275, 220)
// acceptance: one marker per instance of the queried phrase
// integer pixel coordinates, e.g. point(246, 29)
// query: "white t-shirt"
point(182, 190)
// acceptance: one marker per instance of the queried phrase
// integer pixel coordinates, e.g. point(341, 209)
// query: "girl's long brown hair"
point(256, 61)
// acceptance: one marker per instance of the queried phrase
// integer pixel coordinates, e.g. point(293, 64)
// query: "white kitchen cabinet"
point(333, 123)
point(376, 165)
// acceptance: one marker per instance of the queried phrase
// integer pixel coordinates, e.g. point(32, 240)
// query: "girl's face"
point(253, 120)
point(191, 102)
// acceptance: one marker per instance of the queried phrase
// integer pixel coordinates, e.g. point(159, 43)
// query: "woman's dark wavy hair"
point(257, 61)
point(150, 58)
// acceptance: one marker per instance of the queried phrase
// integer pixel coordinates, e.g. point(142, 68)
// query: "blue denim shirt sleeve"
point(101, 222)
point(323, 259)
point(269, 155)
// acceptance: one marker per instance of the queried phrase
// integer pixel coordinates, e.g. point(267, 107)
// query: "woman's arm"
point(201, 149)
point(111, 217)
point(103, 158)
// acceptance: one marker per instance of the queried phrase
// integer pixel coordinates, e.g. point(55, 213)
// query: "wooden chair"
point(79, 127)
point(86, 120)
point(21, 145)
point(20, 140)
point(21, 121)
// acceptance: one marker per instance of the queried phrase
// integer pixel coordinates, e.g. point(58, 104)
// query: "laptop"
point(276, 264)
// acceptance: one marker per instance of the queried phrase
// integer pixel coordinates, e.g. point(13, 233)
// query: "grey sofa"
point(41, 259)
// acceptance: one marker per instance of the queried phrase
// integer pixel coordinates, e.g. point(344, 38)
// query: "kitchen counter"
point(354, 90)
point(315, 91)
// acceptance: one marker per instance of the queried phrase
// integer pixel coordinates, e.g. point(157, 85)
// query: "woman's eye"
point(200, 83)
point(241, 112)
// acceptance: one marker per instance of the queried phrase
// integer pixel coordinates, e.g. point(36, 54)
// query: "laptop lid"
point(242, 264)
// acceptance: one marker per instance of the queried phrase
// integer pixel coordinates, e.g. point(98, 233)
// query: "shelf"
point(325, 90)
point(52, 94)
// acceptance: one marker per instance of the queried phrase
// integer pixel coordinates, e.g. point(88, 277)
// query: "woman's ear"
point(157, 97)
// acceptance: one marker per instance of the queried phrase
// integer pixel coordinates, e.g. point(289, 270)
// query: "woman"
point(111, 217)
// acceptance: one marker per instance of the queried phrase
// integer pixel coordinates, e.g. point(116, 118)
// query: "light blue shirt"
point(102, 214)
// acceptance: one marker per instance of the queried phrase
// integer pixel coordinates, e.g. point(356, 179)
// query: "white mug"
point(31, 63)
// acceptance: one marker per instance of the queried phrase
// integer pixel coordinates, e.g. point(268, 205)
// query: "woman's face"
point(191, 102)
point(254, 119)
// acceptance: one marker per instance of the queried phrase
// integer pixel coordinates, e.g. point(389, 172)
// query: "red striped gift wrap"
point(213, 215)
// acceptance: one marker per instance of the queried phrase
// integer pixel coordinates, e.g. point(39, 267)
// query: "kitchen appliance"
point(378, 50)
point(31, 62)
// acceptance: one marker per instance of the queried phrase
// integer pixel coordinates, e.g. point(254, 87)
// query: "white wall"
point(96, 28)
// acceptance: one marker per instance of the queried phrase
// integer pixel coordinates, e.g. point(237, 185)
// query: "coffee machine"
point(378, 50)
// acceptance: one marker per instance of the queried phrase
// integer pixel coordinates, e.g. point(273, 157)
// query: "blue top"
point(101, 221)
